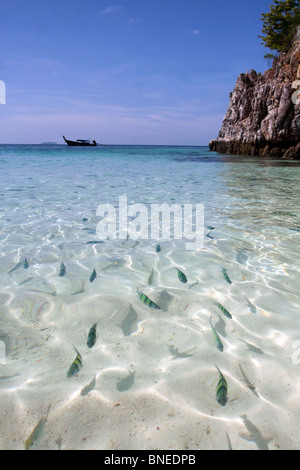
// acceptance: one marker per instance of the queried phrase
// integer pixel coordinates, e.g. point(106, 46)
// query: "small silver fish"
point(248, 383)
point(177, 354)
point(252, 347)
point(216, 336)
point(37, 432)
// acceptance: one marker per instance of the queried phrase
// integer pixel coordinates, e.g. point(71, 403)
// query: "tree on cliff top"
point(280, 24)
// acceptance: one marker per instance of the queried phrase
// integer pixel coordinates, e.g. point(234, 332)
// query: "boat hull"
point(74, 143)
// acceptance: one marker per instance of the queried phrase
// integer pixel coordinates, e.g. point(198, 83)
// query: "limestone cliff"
point(263, 117)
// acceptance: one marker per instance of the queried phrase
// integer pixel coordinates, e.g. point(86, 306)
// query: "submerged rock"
point(263, 117)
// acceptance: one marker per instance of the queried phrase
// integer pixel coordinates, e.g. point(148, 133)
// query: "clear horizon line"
point(107, 144)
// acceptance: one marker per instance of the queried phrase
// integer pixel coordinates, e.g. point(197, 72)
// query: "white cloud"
point(111, 9)
point(153, 125)
point(196, 32)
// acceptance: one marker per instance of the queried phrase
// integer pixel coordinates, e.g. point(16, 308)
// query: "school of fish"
point(77, 364)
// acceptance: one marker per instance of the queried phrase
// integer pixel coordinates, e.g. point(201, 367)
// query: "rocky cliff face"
point(263, 117)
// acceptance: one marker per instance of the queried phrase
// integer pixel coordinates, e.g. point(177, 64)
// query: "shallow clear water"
point(150, 380)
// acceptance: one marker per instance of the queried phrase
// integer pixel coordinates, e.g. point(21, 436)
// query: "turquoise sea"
point(150, 380)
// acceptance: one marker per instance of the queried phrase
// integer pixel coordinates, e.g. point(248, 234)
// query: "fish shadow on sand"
point(126, 383)
point(25, 281)
point(241, 257)
point(151, 277)
point(81, 289)
point(5, 338)
point(165, 300)
point(15, 268)
point(255, 435)
point(220, 326)
point(252, 348)
point(130, 322)
point(248, 383)
point(228, 441)
point(8, 377)
point(89, 387)
point(251, 306)
point(179, 355)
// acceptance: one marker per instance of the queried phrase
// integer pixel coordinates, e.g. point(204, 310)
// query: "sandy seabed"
point(150, 380)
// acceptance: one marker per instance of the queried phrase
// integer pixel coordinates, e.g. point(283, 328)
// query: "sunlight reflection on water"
point(151, 371)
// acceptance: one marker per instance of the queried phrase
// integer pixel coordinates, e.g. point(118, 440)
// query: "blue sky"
point(125, 71)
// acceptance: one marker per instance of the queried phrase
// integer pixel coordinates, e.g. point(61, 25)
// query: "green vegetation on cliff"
point(280, 24)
